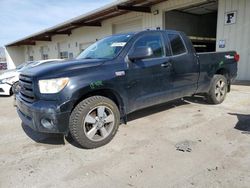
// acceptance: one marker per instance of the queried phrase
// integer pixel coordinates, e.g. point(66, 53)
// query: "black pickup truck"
point(90, 96)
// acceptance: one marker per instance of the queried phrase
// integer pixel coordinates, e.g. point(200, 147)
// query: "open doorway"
point(199, 22)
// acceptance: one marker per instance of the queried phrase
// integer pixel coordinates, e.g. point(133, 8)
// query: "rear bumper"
point(43, 116)
point(5, 89)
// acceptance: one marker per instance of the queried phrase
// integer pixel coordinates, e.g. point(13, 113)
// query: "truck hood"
point(55, 68)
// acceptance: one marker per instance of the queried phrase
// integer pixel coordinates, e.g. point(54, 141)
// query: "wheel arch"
point(225, 72)
point(109, 93)
point(12, 87)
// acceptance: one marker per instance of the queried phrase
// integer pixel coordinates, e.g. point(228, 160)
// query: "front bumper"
point(5, 89)
point(43, 116)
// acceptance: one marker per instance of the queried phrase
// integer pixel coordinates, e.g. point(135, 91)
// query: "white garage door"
point(135, 25)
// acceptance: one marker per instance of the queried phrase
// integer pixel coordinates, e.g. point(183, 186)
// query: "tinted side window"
point(154, 41)
point(176, 44)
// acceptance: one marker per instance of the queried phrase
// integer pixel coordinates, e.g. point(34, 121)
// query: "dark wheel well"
point(225, 73)
point(112, 95)
point(12, 87)
point(11, 91)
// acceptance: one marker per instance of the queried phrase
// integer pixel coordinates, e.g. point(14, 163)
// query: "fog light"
point(47, 123)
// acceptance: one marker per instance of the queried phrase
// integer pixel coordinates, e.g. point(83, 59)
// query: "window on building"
point(31, 58)
point(45, 56)
point(177, 44)
point(64, 55)
point(154, 41)
point(71, 55)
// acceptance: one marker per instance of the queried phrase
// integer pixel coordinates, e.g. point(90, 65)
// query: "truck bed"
point(214, 62)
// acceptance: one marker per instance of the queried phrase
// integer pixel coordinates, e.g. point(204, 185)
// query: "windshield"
point(106, 48)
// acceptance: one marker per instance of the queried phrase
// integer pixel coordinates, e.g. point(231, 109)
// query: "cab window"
point(154, 41)
point(177, 44)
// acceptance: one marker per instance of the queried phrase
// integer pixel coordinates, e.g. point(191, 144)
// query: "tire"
point(94, 122)
point(218, 89)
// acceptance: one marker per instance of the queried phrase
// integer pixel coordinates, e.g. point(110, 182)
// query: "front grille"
point(26, 88)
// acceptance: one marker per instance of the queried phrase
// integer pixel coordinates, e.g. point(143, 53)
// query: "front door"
point(149, 80)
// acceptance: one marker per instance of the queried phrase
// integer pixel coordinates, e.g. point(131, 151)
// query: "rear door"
point(149, 79)
point(185, 65)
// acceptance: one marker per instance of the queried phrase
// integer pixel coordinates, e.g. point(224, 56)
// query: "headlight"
point(8, 80)
point(53, 85)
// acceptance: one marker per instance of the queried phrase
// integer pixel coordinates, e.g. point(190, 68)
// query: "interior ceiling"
point(206, 8)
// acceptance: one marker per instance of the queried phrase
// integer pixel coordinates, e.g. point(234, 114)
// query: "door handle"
point(166, 65)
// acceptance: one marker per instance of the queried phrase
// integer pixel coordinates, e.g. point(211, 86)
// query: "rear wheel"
point(218, 90)
point(94, 122)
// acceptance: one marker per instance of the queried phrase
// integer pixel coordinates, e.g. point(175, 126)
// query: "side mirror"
point(142, 52)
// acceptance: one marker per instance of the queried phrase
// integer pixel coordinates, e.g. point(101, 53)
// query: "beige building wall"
point(14, 56)
point(236, 36)
point(82, 37)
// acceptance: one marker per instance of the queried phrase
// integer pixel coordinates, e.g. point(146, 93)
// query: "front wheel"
point(94, 122)
point(218, 90)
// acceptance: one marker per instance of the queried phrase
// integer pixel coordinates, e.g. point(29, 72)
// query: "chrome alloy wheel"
point(220, 90)
point(98, 123)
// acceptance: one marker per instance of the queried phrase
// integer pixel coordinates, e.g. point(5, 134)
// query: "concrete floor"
point(142, 154)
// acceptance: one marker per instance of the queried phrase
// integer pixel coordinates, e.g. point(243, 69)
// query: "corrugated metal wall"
point(236, 36)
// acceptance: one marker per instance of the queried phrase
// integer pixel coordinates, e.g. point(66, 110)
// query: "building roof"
point(93, 18)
